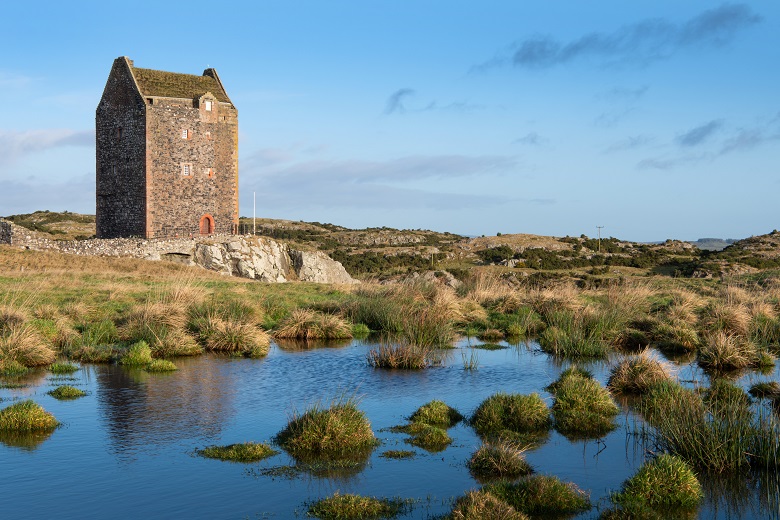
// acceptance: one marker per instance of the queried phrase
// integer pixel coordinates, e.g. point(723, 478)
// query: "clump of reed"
point(582, 407)
point(676, 336)
point(732, 319)
point(635, 375)
point(349, 507)
point(513, 412)
point(499, 459)
point(162, 325)
point(21, 343)
point(580, 334)
point(401, 356)
point(11, 367)
point(244, 452)
point(490, 334)
point(97, 353)
point(161, 365)
point(337, 431)
point(490, 346)
point(62, 368)
point(235, 337)
point(139, 354)
point(26, 416)
point(98, 333)
point(65, 392)
point(436, 413)
point(666, 484)
point(430, 438)
point(542, 496)
point(724, 351)
point(311, 324)
point(483, 505)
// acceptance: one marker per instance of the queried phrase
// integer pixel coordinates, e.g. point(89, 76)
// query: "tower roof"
point(159, 83)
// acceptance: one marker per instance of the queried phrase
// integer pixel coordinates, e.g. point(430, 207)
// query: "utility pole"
point(254, 213)
point(599, 228)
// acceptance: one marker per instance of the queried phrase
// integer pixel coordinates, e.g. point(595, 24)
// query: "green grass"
point(26, 416)
point(666, 482)
point(11, 367)
point(62, 368)
point(338, 431)
point(161, 365)
point(490, 346)
point(398, 454)
point(542, 496)
point(245, 452)
point(139, 354)
point(514, 412)
point(635, 375)
point(582, 407)
point(436, 413)
point(66, 392)
point(481, 505)
point(356, 507)
point(500, 459)
point(430, 438)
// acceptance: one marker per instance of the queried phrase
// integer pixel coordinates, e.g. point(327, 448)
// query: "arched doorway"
point(206, 225)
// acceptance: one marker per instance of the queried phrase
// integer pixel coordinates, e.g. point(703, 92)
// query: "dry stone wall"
point(257, 258)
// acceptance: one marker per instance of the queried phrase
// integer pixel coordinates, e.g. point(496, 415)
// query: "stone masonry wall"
point(183, 134)
point(6, 232)
point(120, 135)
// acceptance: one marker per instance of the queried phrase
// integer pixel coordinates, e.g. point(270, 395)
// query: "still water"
point(127, 449)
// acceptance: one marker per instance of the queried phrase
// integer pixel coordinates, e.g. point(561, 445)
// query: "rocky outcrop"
point(258, 258)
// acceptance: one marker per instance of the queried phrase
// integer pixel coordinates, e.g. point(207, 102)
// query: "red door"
point(207, 225)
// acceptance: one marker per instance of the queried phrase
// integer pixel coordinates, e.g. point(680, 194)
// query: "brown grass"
point(310, 324)
point(635, 375)
point(23, 344)
point(401, 356)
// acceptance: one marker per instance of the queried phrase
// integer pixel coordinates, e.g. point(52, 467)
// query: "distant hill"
point(713, 244)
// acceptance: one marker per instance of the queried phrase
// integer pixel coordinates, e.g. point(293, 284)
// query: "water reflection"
point(28, 441)
point(148, 409)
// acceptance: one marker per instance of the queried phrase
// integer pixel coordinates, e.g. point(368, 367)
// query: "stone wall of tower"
point(120, 135)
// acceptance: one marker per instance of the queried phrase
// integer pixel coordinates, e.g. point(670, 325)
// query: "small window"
point(119, 133)
point(208, 105)
point(186, 170)
point(185, 134)
point(150, 101)
point(210, 173)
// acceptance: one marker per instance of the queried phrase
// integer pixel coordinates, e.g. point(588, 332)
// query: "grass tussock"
point(499, 459)
point(337, 431)
point(430, 438)
point(665, 483)
point(765, 390)
point(401, 356)
point(65, 392)
point(398, 454)
point(235, 337)
point(483, 505)
point(436, 413)
point(635, 375)
point(63, 368)
point(310, 324)
point(513, 412)
point(244, 452)
point(542, 496)
point(161, 365)
point(21, 343)
point(582, 407)
point(356, 507)
point(26, 416)
point(723, 351)
point(139, 354)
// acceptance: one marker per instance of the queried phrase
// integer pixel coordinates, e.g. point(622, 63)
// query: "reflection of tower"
point(144, 410)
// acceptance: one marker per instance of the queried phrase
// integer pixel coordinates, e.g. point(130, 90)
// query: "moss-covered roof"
point(172, 84)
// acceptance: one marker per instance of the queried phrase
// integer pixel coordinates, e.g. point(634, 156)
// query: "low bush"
point(66, 392)
point(436, 413)
point(665, 483)
point(245, 452)
point(356, 507)
point(499, 459)
point(26, 416)
point(514, 412)
point(542, 495)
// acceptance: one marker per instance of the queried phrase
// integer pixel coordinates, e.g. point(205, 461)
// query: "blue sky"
point(653, 119)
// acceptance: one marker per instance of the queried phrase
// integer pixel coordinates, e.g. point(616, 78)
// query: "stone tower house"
point(167, 154)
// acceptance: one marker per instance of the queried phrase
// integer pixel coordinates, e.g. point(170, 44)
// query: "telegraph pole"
point(599, 228)
point(254, 212)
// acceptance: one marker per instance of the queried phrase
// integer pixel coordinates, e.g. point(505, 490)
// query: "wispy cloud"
point(639, 43)
point(531, 139)
point(395, 103)
point(749, 138)
point(15, 144)
point(670, 162)
point(624, 94)
point(699, 134)
point(629, 143)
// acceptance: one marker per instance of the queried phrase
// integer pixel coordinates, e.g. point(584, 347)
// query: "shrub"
point(349, 507)
point(542, 495)
point(483, 506)
point(637, 374)
point(246, 452)
point(501, 459)
point(401, 355)
point(62, 368)
point(161, 365)
point(26, 416)
point(66, 392)
point(139, 354)
point(667, 482)
point(336, 431)
point(582, 407)
point(436, 413)
point(514, 412)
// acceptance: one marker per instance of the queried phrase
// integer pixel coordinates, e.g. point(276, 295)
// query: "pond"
point(127, 449)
